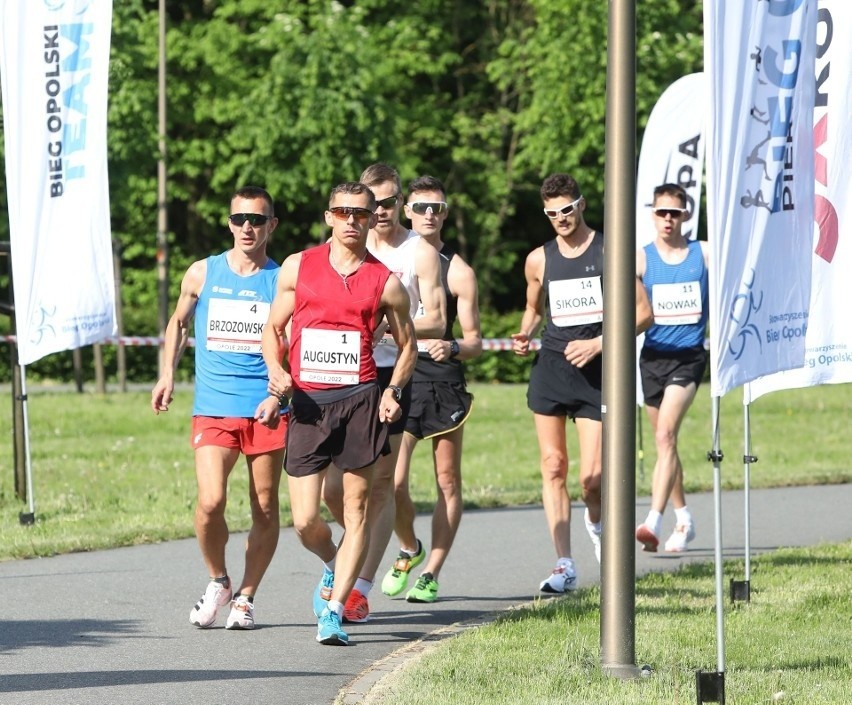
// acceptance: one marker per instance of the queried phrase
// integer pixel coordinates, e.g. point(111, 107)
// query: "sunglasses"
point(674, 213)
point(554, 213)
point(388, 202)
point(254, 219)
point(424, 207)
point(362, 215)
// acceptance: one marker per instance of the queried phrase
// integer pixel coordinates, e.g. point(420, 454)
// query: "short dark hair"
point(355, 188)
point(380, 173)
point(255, 192)
point(671, 190)
point(557, 185)
point(426, 183)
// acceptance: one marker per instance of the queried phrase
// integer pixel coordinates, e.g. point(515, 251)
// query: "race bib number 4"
point(330, 356)
point(676, 304)
point(575, 302)
point(235, 326)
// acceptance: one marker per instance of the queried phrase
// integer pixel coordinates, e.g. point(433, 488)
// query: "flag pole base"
point(740, 591)
point(26, 518)
point(710, 687)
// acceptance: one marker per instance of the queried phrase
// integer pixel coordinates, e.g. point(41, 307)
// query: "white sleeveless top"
point(400, 260)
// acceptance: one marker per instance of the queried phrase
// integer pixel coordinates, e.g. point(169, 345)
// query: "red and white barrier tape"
point(138, 341)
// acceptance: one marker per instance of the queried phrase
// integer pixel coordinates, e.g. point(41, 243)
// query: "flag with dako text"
point(828, 352)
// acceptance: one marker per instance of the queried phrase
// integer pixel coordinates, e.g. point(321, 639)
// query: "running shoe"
point(424, 590)
point(356, 609)
point(647, 538)
point(329, 631)
point(215, 597)
point(562, 579)
point(681, 536)
point(594, 531)
point(242, 614)
point(322, 594)
point(396, 579)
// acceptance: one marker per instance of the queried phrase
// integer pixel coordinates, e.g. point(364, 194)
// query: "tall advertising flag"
point(828, 355)
point(673, 153)
point(759, 58)
point(54, 60)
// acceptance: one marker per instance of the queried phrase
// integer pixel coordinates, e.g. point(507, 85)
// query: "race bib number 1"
point(330, 356)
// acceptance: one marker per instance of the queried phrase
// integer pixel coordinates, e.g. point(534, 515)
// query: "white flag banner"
point(54, 60)
point(673, 153)
point(828, 354)
point(759, 58)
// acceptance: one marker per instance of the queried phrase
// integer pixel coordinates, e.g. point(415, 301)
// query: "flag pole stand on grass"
point(710, 686)
point(27, 518)
point(741, 589)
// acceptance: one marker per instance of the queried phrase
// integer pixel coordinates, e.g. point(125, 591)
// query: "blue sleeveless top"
point(230, 374)
point(667, 334)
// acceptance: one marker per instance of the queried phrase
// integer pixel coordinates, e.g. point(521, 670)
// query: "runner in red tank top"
point(334, 296)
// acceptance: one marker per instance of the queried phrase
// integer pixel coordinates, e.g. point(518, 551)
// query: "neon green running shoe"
point(424, 590)
point(397, 577)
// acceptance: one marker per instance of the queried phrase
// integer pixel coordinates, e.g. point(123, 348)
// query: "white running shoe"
point(648, 539)
point(215, 597)
point(562, 579)
point(681, 536)
point(242, 614)
point(594, 534)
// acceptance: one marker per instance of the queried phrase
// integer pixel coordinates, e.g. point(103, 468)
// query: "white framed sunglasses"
point(554, 213)
point(424, 207)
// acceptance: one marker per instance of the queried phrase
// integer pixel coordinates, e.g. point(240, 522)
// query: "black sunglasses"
point(674, 213)
point(254, 219)
point(388, 202)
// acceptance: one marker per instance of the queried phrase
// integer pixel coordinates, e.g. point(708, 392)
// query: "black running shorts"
point(661, 369)
point(437, 408)
point(558, 388)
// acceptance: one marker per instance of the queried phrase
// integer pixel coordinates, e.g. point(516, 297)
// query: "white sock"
point(595, 525)
point(363, 586)
point(410, 552)
point(683, 515)
point(654, 521)
point(336, 606)
point(330, 565)
point(565, 560)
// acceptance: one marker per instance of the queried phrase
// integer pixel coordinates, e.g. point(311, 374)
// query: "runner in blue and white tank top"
point(229, 296)
point(673, 359)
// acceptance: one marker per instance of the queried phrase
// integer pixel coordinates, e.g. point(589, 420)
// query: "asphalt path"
point(112, 626)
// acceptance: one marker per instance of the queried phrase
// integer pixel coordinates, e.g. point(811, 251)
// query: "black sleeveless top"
point(427, 370)
point(589, 267)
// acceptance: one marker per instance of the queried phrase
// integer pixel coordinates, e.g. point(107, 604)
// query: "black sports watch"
point(396, 391)
point(454, 347)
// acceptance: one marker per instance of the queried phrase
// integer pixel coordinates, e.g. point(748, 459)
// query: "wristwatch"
point(396, 391)
point(454, 347)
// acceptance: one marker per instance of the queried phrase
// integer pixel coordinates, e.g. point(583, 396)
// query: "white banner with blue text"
point(54, 59)
point(828, 352)
point(759, 58)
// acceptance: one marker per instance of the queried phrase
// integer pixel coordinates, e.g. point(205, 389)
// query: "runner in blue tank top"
point(229, 296)
point(565, 289)
point(674, 273)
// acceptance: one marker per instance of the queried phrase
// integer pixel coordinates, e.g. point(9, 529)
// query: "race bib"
point(575, 302)
point(676, 304)
point(235, 326)
point(330, 356)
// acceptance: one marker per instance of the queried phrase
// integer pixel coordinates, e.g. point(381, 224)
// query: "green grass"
point(791, 644)
point(107, 472)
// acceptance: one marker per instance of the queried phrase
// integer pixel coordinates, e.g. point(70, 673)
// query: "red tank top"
point(331, 336)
